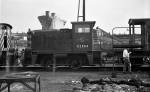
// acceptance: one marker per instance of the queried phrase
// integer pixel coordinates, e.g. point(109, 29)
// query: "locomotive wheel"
point(75, 64)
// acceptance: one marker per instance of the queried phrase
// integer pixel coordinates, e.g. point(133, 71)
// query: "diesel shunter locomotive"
point(77, 46)
point(71, 47)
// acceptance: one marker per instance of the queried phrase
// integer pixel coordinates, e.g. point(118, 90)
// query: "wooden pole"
point(54, 63)
point(7, 62)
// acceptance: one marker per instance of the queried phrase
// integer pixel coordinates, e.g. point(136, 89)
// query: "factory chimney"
point(51, 22)
point(53, 14)
point(47, 13)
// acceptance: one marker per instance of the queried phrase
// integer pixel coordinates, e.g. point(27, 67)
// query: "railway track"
point(67, 68)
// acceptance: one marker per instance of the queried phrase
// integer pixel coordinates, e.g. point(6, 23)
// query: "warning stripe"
point(1, 46)
point(2, 42)
point(2, 35)
point(8, 42)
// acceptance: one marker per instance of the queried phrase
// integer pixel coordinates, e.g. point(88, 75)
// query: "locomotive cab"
point(82, 42)
point(145, 32)
point(82, 36)
point(142, 51)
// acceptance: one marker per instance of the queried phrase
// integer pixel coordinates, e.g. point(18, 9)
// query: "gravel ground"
point(66, 81)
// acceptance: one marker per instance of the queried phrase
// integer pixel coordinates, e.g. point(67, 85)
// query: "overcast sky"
point(22, 14)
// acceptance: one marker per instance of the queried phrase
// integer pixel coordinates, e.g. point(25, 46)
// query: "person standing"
point(126, 59)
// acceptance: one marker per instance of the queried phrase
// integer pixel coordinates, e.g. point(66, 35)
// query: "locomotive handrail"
point(118, 28)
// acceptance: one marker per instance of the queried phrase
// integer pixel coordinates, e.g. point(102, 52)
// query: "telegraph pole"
point(83, 11)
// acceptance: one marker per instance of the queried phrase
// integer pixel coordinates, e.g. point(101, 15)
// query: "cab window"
point(83, 30)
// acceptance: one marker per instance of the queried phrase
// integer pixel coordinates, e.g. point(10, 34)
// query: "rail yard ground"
point(61, 81)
